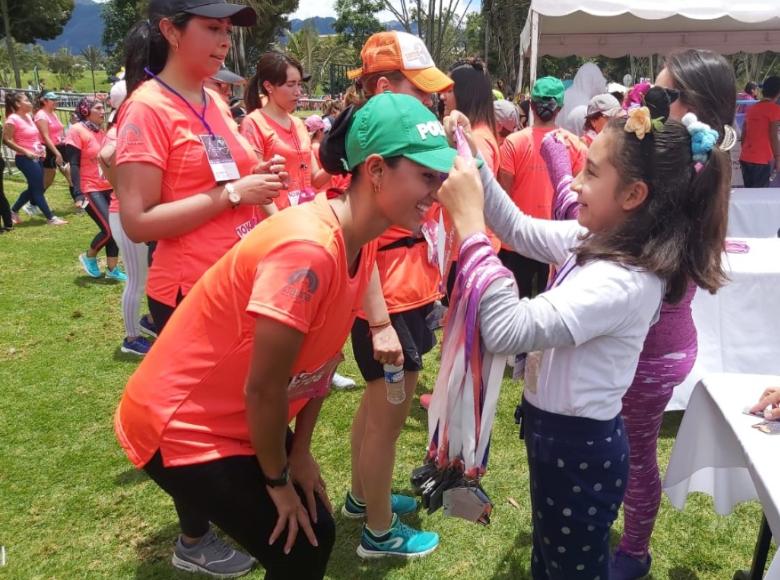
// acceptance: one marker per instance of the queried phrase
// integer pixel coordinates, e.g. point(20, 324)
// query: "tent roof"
point(644, 27)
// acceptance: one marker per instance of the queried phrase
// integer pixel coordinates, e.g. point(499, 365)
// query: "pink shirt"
point(26, 133)
point(56, 129)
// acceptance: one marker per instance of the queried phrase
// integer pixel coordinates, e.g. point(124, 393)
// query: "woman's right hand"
point(458, 119)
point(292, 515)
point(768, 404)
point(258, 188)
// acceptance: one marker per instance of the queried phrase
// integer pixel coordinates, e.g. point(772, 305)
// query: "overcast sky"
point(309, 8)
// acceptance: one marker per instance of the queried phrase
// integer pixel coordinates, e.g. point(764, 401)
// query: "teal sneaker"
point(90, 266)
point(399, 504)
point(400, 540)
point(116, 274)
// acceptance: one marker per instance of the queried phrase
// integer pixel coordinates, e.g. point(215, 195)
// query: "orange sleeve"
point(508, 156)
point(74, 138)
point(143, 136)
point(579, 156)
point(488, 154)
point(254, 135)
point(291, 283)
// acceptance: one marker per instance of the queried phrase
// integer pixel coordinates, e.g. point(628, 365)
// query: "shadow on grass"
point(154, 555)
point(515, 564)
point(344, 562)
point(678, 573)
point(131, 476)
point(84, 281)
point(671, 424)
point(120, 356)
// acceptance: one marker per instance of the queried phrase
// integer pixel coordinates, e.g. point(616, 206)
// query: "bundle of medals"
point(463, 405)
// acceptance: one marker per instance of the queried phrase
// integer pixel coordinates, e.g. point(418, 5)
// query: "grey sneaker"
point(212, 556)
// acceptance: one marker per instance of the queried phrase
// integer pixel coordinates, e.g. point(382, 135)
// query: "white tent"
point(646, 27)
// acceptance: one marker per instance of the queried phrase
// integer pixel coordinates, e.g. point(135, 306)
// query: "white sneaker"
point(29, 209)
point(341, 382)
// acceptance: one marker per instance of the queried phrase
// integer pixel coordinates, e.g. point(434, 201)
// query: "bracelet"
point(383, 324)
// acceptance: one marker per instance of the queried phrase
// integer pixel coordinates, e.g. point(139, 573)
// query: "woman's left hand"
point(305, 472)
point(387, 347)
point(769, 404)
point(462, 196)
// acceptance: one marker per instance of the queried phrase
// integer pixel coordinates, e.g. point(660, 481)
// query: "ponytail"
point(146, 47)
point(272, 67)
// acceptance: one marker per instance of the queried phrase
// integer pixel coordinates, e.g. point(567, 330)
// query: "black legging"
point(5, 207)
point(97, 208)
point(231, 493)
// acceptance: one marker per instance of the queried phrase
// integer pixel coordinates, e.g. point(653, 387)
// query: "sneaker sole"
point(193, 567)
point(148, 332)
point(84, 266)
point(126, 350)
point(371, 555)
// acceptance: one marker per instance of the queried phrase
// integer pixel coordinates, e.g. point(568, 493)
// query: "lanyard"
point(565, 270)
point(201, 116)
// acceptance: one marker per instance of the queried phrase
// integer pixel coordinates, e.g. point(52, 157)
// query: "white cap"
point(118, 94)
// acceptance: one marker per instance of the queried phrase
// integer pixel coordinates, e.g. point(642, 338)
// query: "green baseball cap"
point(393, 125)
point(548, 88)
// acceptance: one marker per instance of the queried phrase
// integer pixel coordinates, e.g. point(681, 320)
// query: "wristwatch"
point(233, 196)
point(280, 481)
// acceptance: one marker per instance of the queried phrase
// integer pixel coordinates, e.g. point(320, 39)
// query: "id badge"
point(221, 161)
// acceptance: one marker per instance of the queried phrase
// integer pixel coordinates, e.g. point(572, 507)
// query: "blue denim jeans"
point(33, 172)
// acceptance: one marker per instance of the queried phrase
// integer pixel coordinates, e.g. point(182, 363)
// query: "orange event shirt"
point(156, 127)
point(90, 144)
point(532, 190)
point(187, 396)
point(757, 145)
point(269, 138)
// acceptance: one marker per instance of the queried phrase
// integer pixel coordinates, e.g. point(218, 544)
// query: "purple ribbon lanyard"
point(201, 116)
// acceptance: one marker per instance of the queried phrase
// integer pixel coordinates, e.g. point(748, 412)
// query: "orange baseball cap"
point(403, 52)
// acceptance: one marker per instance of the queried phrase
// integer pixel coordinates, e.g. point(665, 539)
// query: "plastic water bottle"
point(394, 381)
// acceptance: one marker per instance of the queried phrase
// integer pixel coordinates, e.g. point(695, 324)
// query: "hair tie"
point(729, 138)
point(703, 137)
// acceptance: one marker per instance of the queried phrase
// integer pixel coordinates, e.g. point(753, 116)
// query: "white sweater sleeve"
point(542, 240)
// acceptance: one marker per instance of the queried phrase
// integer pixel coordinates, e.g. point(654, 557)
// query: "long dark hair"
point(707, 85)
point(678, 232)
point(473, 92)
point(145, 46)
point(272, 67)
point(12, 99)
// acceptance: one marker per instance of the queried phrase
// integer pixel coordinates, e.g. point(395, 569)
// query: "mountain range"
point(85, 28)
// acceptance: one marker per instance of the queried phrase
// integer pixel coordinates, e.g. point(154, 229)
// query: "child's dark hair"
point(146, 47)
point(679, 230)
point(272, 67)
point(473, 92)
point(12, 100)
point(770, 89)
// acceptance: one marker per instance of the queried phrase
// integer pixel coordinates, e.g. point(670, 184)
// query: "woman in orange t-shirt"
point(472, 95)
point(185, 178)
point(272, 129)
point(195, 203)
point(206, 414)
point(86, 139)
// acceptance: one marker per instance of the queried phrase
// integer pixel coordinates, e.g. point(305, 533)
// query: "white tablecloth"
point(739, 327)
point(754, 213)
point(718, 452)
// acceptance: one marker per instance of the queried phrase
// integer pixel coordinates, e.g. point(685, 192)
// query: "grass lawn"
point(72, 506)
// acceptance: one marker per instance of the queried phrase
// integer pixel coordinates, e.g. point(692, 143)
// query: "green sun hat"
point(393, 125)
point(548, 88)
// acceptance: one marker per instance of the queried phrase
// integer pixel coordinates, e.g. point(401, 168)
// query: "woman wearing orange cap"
point(399, 63)
point(272, 129)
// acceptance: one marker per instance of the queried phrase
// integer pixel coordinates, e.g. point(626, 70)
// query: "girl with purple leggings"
point(701, 82)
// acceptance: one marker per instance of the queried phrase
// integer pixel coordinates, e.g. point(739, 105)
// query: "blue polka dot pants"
point(578, 470)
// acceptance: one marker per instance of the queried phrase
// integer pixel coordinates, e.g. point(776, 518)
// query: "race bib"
point(315, 384)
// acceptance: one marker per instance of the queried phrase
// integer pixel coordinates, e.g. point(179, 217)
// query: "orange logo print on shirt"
point(301, 285)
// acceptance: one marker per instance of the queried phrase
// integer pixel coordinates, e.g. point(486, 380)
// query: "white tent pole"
point(534, 46)
point(520, 73)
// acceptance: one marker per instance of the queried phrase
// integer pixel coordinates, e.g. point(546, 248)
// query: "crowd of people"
point(262, 241)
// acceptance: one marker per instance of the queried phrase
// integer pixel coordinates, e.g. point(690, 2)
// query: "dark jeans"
point(97, 208)
point(530, 275)
point(5, 207)
point(755, 174)
point(33, 172)
point(578, 471)
point(231, 493)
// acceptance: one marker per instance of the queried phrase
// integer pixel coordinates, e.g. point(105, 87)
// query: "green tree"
point(316, 53)
point(94, 58)
point(65, 66)
point(118, 17)
point(356, 20)
point(503, 22)
point(271, 22)
point(30, 20)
